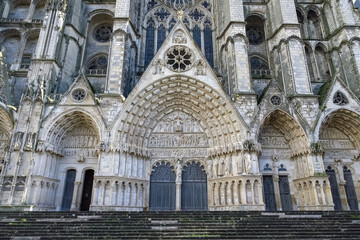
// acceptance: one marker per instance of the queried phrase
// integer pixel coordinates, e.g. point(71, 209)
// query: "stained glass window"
point(150, 42)
point(161, 36)
point(208, 43)
point(197, 35)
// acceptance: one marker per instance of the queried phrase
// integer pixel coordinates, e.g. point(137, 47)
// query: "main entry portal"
point(165, 187)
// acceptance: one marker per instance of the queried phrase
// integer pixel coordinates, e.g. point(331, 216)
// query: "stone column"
point(114, 191)
point(31, 11)
point(6, 10)
point(252, 183)
point(222, 194)
point(343, 198)
point(323, 194)
point(100, 201)
point(228, 194)
point(74, 205)
point(276, 185)
point(35, 189)
point(260, 191)
point(216, 195)
point(315, 195)
point(236, 194)
point(178, 185)
point(243, 193)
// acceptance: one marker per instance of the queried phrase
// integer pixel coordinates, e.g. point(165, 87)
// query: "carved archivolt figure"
point(200, 68)
point(158, 67)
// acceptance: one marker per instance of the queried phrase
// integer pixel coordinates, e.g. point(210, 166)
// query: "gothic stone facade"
point(179, 105)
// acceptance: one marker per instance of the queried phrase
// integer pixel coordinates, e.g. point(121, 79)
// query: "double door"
point(193, 192)
point(270, 193)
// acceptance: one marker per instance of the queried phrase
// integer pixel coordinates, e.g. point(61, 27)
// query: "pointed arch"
point(344, 120)
point(290, 128)
point(58, 128)
point(215, 113)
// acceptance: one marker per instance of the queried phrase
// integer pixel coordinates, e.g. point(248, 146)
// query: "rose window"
point(79, 94)
point(255, 35)
point(179, 58)
point(102, 33)
point(275, 100)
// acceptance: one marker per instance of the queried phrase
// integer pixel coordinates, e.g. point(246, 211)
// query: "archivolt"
point(346, 121)
point(6, 123)
point(292, 131)
point(214, 113)
point(63, 126)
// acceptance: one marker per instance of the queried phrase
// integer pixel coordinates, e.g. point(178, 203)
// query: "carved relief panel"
point(276, 152)
point(178, 135)
point(81, 142)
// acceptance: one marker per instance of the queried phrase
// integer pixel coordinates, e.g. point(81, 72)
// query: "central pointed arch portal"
point(183, 122)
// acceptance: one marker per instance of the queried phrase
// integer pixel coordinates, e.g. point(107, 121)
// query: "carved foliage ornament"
point(179, 59)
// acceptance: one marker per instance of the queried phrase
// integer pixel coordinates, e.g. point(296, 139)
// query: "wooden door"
point(269, 194)
point(162, 188)
point(68, 190)
point(87, 190)
point(194, 188)
point(285, 193)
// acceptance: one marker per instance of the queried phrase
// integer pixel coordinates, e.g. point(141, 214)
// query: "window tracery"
point(340, 99)
point(179, 58)
point(161, 18)
point(102, 33)
point(179, 4)
point(259, 66)
point(97, 65)
point(255, 35)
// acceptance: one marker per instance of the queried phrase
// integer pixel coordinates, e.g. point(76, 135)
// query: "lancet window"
point(161, 18)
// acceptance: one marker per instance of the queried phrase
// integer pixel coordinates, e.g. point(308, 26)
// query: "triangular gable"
point(161, 67)
point(329, 92)
point(80, 83)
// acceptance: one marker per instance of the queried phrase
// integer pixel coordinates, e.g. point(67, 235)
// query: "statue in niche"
point(221, 169)
point(179, 37)
point(200, 68)
point(178, 172)
point(227, 165)
point(214, 168)
point(244, 164)
point(158, 67)
point(18, 140)
point(30, 141)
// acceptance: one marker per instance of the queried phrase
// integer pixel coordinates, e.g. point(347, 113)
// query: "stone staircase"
point(180, 225)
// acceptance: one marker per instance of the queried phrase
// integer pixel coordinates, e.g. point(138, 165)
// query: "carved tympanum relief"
point(332, 138)
point(178, 134)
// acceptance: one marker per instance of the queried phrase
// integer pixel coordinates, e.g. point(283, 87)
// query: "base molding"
point(244, 207)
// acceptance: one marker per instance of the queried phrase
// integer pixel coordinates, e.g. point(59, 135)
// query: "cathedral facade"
point(136, 105)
